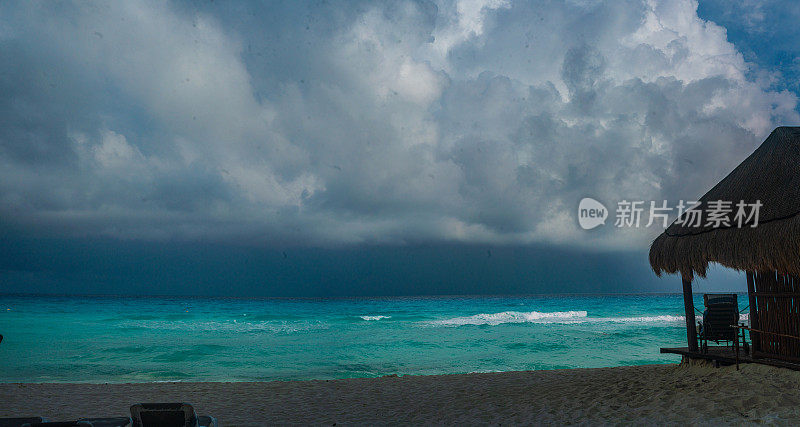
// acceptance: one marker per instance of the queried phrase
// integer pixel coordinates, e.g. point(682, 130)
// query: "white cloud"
point(114, 151)
point(466, 20)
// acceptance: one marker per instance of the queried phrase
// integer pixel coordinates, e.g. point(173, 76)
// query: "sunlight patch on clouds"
point(466, 22)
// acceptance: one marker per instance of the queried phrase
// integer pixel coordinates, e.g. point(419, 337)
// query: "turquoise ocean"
point(143, 339)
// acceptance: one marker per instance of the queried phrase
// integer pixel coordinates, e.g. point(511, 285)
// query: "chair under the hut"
point(720, 318)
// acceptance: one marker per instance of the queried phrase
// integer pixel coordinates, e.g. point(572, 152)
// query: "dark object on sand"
point(59, 424)
point(93, 422)
point(168, 415)
point(17, 422)
point(719, 318)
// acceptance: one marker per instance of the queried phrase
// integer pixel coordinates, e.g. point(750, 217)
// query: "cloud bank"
point(480, 121)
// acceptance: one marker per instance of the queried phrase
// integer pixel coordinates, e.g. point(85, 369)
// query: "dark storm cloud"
point(474, 121)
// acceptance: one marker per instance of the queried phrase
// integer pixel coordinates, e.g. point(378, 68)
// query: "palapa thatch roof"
point(771, 175)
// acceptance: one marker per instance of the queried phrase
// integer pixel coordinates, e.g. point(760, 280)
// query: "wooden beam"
point(688, 306)
point(751, 293)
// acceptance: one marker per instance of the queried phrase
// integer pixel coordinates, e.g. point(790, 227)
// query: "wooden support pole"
point(751, 293)
point(688, 306)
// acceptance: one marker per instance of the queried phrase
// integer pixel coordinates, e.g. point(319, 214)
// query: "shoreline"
point(647, 393)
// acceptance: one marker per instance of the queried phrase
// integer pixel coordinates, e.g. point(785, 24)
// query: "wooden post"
point(688, 306)
point(751, 294)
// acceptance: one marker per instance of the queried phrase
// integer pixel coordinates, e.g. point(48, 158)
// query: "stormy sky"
point(188, 131)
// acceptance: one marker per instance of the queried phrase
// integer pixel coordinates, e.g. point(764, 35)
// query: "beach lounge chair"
point(719, 318)
point(92, 422)
point(17, 422)
point(59, 424)
point(168, 415)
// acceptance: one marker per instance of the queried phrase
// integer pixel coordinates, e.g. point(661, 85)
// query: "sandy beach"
point(661, 394)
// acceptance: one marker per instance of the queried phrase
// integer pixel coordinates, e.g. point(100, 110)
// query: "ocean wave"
point(641, 319)
point(512, 317)
point(374, 317)
point(228, 326)
point(562, 317)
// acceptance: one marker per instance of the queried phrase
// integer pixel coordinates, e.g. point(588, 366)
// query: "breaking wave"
point(513, 317)
point(375, 317)
point(641, 319)
point(562, 317)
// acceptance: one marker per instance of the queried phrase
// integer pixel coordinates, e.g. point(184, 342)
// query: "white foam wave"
point(641, 319)
point(375, 317)
point(512, 317)
point(562, 317)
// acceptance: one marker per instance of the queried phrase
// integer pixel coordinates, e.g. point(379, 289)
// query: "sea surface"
point(144, 339)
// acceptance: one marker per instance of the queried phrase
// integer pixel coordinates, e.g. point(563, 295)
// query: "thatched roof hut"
point(770, 175)
point(767, 249)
